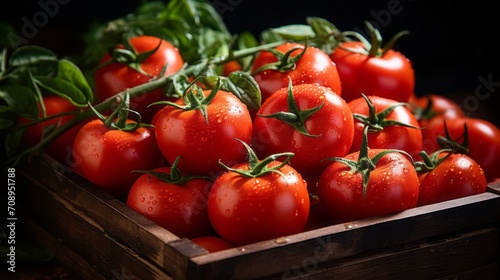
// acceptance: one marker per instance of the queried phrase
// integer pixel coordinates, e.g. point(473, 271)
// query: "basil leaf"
point(20, 99)
point(68, 71)
point(241, 84)
point(63, 88)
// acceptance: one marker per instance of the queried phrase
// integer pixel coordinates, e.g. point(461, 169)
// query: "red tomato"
point(327, 132)
point(180, 208)
point(317, 216)
point(231, 66)
point(315, 66)
point(392, 187)
point(484, 141)
point(106, 156)
point(390, 75)
point(60, 148)
point(391, 136)
point(456, 176)
point(246, 209)
point(201, 145)
point(212, 243)
point(112, 78)
point(430, 106)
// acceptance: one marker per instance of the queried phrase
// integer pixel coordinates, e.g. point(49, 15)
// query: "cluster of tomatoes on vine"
point(338, 136)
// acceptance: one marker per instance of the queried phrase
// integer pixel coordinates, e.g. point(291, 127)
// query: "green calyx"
point(194, 99)
point(377, 121)
point(365, 164)
point(295, 117)
point(130, 56)
point(258, 168)
point(118, 118)
point(430, 162)
point(175, 176)
point(447, 142)
point(374, 47)
point(286, 62)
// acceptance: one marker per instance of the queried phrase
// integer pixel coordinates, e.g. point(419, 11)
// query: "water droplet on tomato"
point(170, 199)
point(154, 202)
point(204, 139)
point(142, 199)
point(228, 211)
point(150, 209)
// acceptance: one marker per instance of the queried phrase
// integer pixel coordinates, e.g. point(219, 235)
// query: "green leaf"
point(29, 55)
point(20, 99)
point(243, 85)
point(68, 71)
point(63, 88)
point(294, 32)
point(7, 117)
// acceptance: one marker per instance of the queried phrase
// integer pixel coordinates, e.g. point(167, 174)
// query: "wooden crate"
point(98, 237)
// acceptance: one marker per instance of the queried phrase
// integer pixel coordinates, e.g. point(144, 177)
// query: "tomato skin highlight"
point(390, 76)
point(393, 186)
point(116, 77)
point(245, 210)
point(391, 137)
point(201, 145)
point(455, 177)
point(181, 209)
point(332, 128)
point(315, 66)
point(107, 157)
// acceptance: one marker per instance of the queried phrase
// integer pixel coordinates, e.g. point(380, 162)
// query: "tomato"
point(107, 157)
point(60, 148)
point(392, 187)
point(389, 75)
point(201, 142)
point(454, 176)
point(483, 140)
point(212, 243)
point(322, 126)
point(314, 66)
point(431, 106)
point(317, 217)
point(230, 66)
point(112, 77)
point(177, 204)
point(389, 135)
point(251, 203)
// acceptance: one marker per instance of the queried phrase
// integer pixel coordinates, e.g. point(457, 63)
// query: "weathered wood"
point(85, 236)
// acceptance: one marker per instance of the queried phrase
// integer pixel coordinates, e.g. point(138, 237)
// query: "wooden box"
point(98, 237)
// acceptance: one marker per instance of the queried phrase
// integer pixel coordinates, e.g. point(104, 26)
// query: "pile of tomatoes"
point(339, 136)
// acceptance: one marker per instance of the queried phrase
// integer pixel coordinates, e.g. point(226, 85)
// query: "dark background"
point(452, 45)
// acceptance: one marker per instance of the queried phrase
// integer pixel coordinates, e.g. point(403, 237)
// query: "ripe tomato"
point(181, 208)
point(389, 75)
point(392, 187)
point(322, 126)
point(264, 205)
point(390, 135)
point(60, 148)
point(456, 176)
point(483, 140)
point(212, 243)
point(107, 157)
point(112, 77)
point(201, 142)
point(314, 66)
point(430, 106)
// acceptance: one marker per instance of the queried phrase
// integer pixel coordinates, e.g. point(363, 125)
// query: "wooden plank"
point(349, 239)
point(85, 236)
point(115, 217)
point(66, 256)
point(454, 255)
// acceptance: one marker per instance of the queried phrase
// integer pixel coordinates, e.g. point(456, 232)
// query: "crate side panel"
point(346, 240)
point(115, 217)
point(85, 236)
